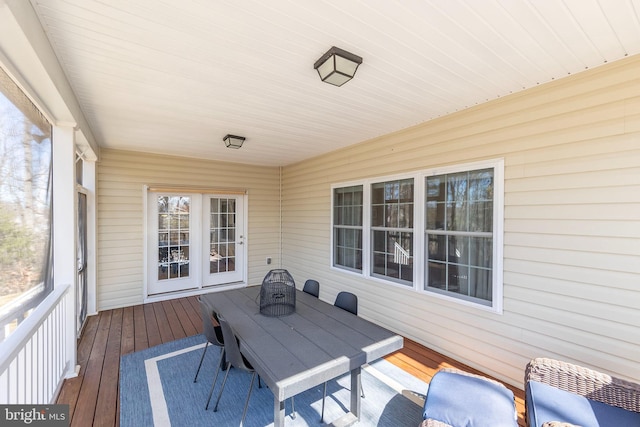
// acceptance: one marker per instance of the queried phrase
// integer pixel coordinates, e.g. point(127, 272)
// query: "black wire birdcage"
point(277, 294)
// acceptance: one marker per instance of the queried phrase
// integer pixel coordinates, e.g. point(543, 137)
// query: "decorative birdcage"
point(277, 294)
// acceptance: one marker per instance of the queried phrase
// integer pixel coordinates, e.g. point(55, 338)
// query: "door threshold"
point(192, 292)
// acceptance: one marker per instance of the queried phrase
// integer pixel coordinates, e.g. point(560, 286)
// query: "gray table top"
point(302, 350)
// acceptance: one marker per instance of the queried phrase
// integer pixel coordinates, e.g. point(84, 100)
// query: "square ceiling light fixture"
point(233, 141)
point(337, 66)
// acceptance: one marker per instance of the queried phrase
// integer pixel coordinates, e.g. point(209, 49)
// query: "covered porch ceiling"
point(173, 77)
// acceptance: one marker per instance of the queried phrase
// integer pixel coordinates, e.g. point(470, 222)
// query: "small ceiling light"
point(337, 66)
point(233, 141)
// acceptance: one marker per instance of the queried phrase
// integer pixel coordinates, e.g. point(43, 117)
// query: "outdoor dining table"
point(296, 352)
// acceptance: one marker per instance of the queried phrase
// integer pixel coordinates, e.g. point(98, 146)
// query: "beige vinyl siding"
point(122, 176)
point(571, 225)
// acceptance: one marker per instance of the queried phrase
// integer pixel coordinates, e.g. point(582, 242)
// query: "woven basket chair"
point(585, 382)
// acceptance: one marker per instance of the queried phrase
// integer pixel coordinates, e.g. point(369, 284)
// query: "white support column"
point(64, 231)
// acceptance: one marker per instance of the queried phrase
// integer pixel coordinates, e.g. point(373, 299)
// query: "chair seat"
point(459, 399)
point(546, 403)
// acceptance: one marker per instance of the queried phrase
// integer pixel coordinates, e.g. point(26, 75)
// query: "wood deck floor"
point(93, 395)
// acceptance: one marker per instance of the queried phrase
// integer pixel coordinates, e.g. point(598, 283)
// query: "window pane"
point(436, 273)
point(348, 248)
point(377, 194)
point(458, 279)
point(457, 187)
point(184, 222)
point(481, 283)
point(163, 221)
point(405, 215)
point(435, 215)
point(163, 205)
point(481, 185)
point(458, 249)
point(347, 204)
point(377, 215)
point(435, 189)
point(395, 210)
point(392, 255)
point(357, 215)
point(436, 247)
point(457, 216)
point(379, 241)
point(481, 216)
point(391, 216)
point(481, 252)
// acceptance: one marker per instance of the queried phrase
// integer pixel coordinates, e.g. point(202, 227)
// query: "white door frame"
point(149, 248)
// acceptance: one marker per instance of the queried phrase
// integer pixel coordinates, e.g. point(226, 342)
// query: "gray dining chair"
point(214, 336)
point(348, 302)
point(312, 287)
point(237, 360)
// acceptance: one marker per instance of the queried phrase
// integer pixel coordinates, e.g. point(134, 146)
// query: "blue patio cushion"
point(547, 403)
point(464, 401)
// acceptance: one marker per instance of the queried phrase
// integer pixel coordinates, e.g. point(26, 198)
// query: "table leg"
point(355, 392)
point(278, 413)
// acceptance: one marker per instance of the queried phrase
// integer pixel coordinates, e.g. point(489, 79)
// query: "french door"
point(223, 246)
point(194, 241)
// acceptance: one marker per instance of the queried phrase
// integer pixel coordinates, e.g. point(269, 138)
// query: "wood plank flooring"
point(93, 395)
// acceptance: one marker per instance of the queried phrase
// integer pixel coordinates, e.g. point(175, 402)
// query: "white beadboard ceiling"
point(175, 76)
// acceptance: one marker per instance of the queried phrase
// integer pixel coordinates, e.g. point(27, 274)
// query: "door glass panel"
point(173, 237)
point(222, 244)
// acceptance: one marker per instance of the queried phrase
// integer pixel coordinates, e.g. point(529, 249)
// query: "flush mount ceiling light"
point(337, 66)
point(233, 141)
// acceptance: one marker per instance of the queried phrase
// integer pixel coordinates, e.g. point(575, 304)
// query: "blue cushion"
point(463, 401)
point(547, 403)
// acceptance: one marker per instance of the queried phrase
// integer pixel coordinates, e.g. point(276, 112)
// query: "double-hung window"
point(347, 227)
point(392, 230)
point(435, 231)
point(459, 234)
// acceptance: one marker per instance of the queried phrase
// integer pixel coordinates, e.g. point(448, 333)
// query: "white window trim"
point(419, 178)
point(365, 238)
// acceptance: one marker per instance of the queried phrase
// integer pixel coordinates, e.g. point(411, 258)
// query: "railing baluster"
point(33, 359)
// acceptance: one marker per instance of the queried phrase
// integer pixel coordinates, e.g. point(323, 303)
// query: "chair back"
point(211, 331)
point(347, 301)
point(312, 287)
point(231, 347)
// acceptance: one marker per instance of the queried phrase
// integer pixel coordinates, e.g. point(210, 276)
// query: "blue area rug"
point(157, 389)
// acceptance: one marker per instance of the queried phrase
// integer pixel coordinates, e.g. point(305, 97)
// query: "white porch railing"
point(35, 358)
point(400, 255)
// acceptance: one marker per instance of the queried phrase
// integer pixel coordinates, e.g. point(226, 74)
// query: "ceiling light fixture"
point(233, 141)
point(337, 66)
